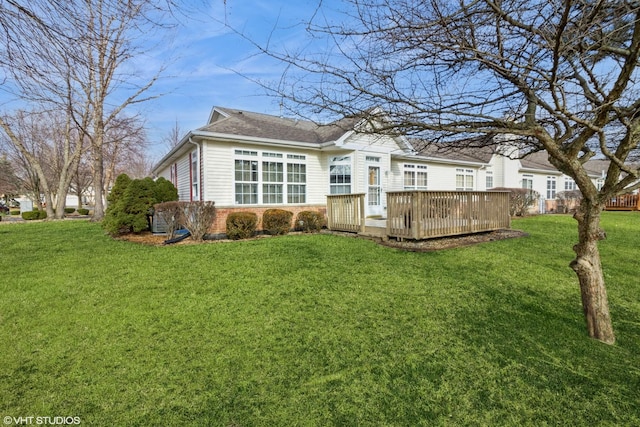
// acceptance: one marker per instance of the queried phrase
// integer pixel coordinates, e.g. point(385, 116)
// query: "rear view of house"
point(245, 161)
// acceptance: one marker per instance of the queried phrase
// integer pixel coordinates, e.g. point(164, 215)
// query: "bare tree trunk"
point(589, 270)
point(98, 185)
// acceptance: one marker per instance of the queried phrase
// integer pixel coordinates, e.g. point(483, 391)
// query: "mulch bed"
point(453, 241)
point(436, 244)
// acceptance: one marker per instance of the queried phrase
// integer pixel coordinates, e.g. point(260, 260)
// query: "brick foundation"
point(220, 224)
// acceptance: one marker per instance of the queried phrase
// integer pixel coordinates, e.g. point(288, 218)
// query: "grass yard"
point(314, 330)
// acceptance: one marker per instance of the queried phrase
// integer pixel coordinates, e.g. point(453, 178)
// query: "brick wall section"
point(220, 224)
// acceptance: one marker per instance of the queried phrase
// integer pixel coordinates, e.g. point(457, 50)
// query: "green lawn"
point(314, 330)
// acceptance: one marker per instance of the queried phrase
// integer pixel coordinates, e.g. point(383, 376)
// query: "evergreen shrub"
point(83, 211)
point(32, 215)
point(241, 225)
point(310, 221)
point(69, 210)
point(131, 204)
point(276, 221)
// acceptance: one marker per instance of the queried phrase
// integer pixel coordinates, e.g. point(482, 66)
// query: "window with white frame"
point(527, 181)
point(551, 187)
point(569, 184)
point(340, 175)
point(246, 177)
point(272, 179)
point(266, 181)
point(415, 177)
point(296, 181)
point(489, 177)
point(599, 183)
point(195, 176)
point(464, 179)
point(174, 174)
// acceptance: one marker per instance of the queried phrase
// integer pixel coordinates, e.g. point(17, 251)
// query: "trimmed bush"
point(69, 210)
point(172, 213)
point(241, 225)
point(568, 200)
point(83, 211)
point(276, 221)
point(520, 200)
point(310, 221)
point(198, 217)
point(15, 212)
point(32, 215)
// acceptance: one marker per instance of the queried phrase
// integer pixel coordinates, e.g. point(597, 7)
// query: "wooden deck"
point(423, 214)
point(624, 202)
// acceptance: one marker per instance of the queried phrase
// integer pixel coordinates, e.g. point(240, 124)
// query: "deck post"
point(362, 215)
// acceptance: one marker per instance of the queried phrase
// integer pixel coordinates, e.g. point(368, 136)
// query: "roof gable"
point(256, 125)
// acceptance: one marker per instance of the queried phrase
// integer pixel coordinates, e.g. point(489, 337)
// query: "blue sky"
point(207, 58)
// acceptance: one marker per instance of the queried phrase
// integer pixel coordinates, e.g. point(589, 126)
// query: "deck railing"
point(345, 212)
point(624, 202)
point(427, 214)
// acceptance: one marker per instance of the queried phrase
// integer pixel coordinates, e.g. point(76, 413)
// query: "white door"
point(374, 192)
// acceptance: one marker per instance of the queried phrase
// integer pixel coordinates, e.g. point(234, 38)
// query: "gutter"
point(440, 160)
point(263, 141)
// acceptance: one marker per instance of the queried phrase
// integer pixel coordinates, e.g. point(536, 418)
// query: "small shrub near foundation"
point(241, 225)
point(310, 221)
point(69, 210)
point(276, 221)
point(83, 211)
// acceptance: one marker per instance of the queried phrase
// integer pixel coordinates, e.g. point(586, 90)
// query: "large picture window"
point(265, 181)
point(340, 175)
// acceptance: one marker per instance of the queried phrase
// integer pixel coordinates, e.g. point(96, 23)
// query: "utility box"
point(26, 205)
point(158, 224)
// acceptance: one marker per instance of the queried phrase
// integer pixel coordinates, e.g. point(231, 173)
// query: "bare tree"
point(9, 182)
point(45, 149)
point(559, 75)
point(81, 182)
point(173, 137)
point(85, 58)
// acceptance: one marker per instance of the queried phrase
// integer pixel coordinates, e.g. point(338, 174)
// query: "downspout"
point(199, 172)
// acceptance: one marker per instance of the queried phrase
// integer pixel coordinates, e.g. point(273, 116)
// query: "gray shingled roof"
point(257, 125)
point(472, 150)
point(539, 161)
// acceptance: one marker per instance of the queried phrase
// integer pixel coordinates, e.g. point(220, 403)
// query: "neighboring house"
point(246, 161)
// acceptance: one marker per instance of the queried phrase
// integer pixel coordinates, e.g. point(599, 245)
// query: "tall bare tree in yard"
point(558, 75)
point(84, 57)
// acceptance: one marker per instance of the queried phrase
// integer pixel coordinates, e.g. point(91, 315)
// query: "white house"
point(245, 161)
